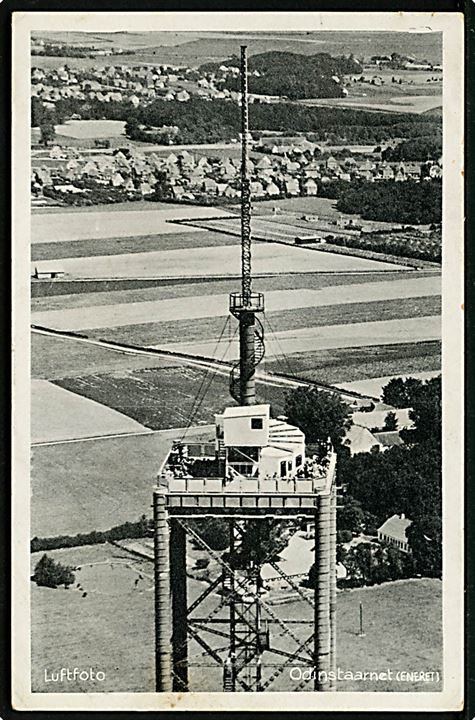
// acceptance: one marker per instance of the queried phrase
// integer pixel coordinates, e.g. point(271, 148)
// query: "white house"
point(393, 531)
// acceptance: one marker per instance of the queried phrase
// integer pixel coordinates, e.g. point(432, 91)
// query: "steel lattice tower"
point(248, 641)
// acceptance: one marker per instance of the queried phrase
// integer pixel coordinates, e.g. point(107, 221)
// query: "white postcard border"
point(451, 24)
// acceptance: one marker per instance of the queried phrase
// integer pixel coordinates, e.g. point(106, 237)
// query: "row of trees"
point(422, 148)
point(128, 530)
point(201, 120)
point(412, 202)
point(420, 248)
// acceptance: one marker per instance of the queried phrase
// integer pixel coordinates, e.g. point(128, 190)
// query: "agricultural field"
point(125, 245)
point(112, 615)
point(170, 397)
point(360, 364)
point(396, 104)
point(135, 308)
point(196, 48)
point(220, 261)
point(309, 339)
point(313, 311)
point(58, 415)
point(100, 224)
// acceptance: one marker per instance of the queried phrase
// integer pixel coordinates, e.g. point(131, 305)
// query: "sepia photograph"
point(238, 365)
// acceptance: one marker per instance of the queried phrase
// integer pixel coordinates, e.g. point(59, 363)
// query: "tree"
point(262, 540)
point(350, 515)
point(400, 393)
point(424, 536)
point(319, 414)
point(214, 532)
point(426, 414)
point(47, 131)
point(390, 422)
point(49, 573)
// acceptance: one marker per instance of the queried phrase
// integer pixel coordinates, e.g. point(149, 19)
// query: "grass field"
point(396, 104)
point(111, 628)
point(91, 128)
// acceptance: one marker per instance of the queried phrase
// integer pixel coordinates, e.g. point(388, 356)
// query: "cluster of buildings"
point(284, 170)
point(403, 62)
point(305, 156)
point(137, 84)
point(42, 47)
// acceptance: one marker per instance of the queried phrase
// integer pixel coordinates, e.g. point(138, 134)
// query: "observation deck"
point(251, 496)
point(238, 303)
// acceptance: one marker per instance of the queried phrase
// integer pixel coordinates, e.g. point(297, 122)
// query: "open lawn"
point(111, 628)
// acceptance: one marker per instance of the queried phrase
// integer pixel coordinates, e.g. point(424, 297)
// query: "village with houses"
point(288, 167)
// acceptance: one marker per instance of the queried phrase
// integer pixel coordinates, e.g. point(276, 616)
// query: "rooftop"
point(395, 527)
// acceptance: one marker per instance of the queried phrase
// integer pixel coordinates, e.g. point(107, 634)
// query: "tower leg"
point(179, 606)
point(322, 595)
point(333, 537)
point(163, 674)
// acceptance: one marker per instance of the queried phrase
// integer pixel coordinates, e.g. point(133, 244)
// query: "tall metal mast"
point(246, 304)
point(245, 186)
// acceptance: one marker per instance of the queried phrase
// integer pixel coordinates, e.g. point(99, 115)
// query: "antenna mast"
point(246, 304)
point(245, 185)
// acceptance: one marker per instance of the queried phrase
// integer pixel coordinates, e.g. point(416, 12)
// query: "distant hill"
point(293, 75)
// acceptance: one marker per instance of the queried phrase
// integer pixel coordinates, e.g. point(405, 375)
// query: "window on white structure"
point(257, 423)
point(298, 461)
